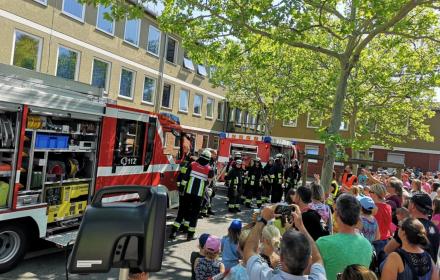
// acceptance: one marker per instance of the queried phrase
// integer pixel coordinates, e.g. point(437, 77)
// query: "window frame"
point(140, 143)
point(311, 147)
point(137, 35)
point(176, 50)
point(222, 115)
point(148, 40)
point(238, 117)
point(231, 114)
point(72, 15)
point(171, 96)
point(308, 122)
point(194, 104)
point(107, 77)
point(78, 59)
point(188, 64)
point(217, 141)
point(286, 123)
point(42, 2)
point(175, 138)
point(205, 72)
point(97, 18)
point(154, 90)
point(187, 100)
point(212, 108)
point(207, 140)
point(133, 82)
point(40, 48)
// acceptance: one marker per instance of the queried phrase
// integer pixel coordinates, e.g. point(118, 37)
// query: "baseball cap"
point(213, 244)
point(235, 225)
point(367, 202)
point(422, 200)
point(202, 239)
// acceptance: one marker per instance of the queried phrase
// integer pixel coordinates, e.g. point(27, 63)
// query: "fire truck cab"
point(60, 142)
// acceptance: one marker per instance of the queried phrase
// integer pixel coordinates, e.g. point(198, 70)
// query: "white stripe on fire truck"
point(17, 176)
point(137, 169)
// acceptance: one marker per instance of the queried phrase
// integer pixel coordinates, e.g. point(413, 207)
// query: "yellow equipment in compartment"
point(70, 207)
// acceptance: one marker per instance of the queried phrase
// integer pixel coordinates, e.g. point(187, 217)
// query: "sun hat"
point(235, 225)
point(367, 202)
point(213, 244)
point(202, 239)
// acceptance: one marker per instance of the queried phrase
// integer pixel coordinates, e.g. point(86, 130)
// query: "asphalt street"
point(175, 265)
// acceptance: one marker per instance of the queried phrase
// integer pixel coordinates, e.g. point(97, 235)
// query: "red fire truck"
point(61, 141)
point(252, 146)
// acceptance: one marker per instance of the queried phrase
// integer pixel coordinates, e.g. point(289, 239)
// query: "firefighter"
point(226, 169)
point(254, 176)
point(234, 178)
point(193, 184)
point(267, 182)
point(276, 177)
point(246, 181)
point(291, 176)
point(209, 193)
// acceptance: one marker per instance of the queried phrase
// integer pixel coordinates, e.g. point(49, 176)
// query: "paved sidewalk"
point(176, 256)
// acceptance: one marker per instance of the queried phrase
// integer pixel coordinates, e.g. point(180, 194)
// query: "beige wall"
point(93, 43)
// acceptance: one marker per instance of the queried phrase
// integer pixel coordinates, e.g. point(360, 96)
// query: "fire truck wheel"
point(13, 245)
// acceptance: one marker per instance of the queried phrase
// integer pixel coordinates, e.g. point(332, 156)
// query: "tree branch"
point(327, 9)
point(411, 36)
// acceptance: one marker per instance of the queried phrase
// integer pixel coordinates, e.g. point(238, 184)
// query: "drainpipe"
point(226, 117)
point(159, 87)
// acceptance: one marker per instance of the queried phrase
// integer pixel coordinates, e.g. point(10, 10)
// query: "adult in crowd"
point(383, 217)
point(270, 245)
point(416, 186)
point(348, 179)
point(394, 197)
point(435, 187)
point(411, 261)
point(426, 187)
point(319, 206)
point(420, 207)
point(357, 272)
point(310, 217)
point(297, 250)
point(347, 246)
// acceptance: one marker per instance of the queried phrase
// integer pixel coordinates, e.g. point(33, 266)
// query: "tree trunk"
point(338, 109)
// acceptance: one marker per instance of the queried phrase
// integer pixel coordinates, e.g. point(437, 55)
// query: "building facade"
point(136, 64)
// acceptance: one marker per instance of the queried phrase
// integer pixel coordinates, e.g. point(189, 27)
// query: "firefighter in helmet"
point(193, 184)
point(267, 182)
point(276, 176)
point(253, 186)
point(234, 179)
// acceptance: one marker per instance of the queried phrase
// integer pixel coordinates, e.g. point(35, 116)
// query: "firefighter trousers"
point(277, 193)
point(251, 193)
point(189, 211)
point(267, 187)
point(234, 197)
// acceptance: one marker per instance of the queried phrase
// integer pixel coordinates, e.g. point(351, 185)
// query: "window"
point(165, 139)
point(67, 64)
point(183, 100)
point(205, 141)
point(166, 96)
point(100, 74)
point(220, 110)
point(153, 44)
point(290, 123)
point(238, 117)
point(314, 120)
point(102, 23)
point(188, 64)
point(43, 2)
point(209, 107)
point(74, 9)
point(231, 114)
point(368, 155)
point(246, 119)
point(396, 158)
point(344, 126)
point(131, 33)
point(129, 144)
point(212, 70)
point(197, 109)
point(176, 141)
point(27, 51)
point(312, 150)
point(215, 142)
point(201, 70)
point(253, 121)
point(126, 84)
point(149, 89)
point(171, 50)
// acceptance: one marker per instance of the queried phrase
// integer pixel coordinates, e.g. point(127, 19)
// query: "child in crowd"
point(356, 191)
point(270, 245)
point(199, 254)
point(239, 272)
point(229, 243)
point(436, 212)
point(210, 265)
point(370, 228)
